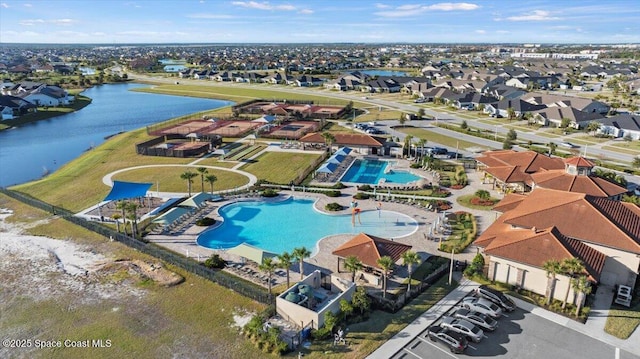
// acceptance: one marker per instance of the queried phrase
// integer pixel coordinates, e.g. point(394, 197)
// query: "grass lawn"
point(589, 139)
point(78, 184)
point(366, 337)
point(189, 318)
point(621, 149)
point(622, 322)
point(437, 138)
point(383, 115)
point(280, 167)
point(168, 178)
point(630, 146)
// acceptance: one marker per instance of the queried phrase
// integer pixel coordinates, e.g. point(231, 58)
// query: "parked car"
point(483, 306)
point(463, 327)
point(438, 151)
point(481, 320)
point(420, 100)
point(497, 297)
point(456, 342)
point(568, 145)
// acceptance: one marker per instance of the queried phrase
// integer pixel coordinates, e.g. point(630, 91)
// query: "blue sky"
point(300, 21)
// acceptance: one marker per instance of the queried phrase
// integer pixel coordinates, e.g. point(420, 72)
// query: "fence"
point(219, 277)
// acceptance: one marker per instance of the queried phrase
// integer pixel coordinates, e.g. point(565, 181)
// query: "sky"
point(319, 21)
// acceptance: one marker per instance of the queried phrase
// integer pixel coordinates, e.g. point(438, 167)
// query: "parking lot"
point(521, 334)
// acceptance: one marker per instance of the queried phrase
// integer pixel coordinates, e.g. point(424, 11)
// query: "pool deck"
point(185, 242)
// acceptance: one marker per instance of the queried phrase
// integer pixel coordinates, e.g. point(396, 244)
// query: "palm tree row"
point(570, 267)
point(204, 176)
point(129, 212)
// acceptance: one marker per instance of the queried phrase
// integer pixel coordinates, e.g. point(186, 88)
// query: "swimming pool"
point(372, 171)
point(283, 225)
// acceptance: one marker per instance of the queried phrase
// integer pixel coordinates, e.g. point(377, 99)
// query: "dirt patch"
point(154, 271)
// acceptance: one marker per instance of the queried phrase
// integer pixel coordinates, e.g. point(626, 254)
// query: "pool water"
point(284, 225)
point(372, 171)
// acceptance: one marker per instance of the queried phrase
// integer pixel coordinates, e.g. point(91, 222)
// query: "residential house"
point(504, 92)
point(633, 86)
point(604, 234)
point(580, 103)
point(434, 93)
point(554, 115)
point(308, 81)
point(13, 106)
point(343, 84)
point(225, 76)
point(537, 82)
point(519, 107)
point(46, 95)
point(381, 85)
point(621, 126)
point(473, 101)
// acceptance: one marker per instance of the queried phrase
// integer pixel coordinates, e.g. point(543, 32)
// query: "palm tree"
point(300, 254)
point(132, 216)
point(421, 143)
point(593, 127)
point(122, 205)
point(353, 264)
point(202, 171)
point(210, 179)
point(188, 176)
point(409, 258)
point(285, 261)
point(571, 266)
point(386, 263)
point(511, 113)
point(268, 266)
point(329, 139)
point(407, 143)
point(553, 267)
point(583, 287)
point(116, 217)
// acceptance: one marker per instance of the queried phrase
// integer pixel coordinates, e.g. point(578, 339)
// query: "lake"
point(30, 151)
point(384, 73)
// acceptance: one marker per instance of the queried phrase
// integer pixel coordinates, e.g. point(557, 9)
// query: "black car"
point(497, 297)
point(456, 342)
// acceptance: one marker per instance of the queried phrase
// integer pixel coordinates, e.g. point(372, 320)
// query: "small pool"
point(372, 171)
point(284, 225)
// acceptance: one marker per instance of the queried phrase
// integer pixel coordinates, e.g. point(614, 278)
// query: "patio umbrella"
point(343, 151)
point(327, 168)
point(337, 159)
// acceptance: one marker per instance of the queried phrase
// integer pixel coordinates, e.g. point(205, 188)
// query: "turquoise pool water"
point(283, 225)
point(372, 171)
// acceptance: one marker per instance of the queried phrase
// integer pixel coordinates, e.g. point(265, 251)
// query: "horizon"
point(207, 22)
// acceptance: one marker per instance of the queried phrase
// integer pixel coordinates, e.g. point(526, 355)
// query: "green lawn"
point(280, 167)
point(621, 323)
point(630, 146)
point(44, 113)
point(168, 179)
point(466, 201)
point(437, 138)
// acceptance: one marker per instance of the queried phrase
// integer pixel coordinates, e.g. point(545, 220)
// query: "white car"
point(568, 145)
point(483, 306)
point(483, 321)
point(463, 327)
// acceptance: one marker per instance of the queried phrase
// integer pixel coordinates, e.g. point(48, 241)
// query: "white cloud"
point(414, 10)
point(32, 22)
point(4, 5)
point(305, 12)
point(263, 5)
point(382, 6)
point(481, 32)
point(63, 22)
point(538, 15)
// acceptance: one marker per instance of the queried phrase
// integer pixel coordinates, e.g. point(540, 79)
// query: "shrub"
point(215, 261)
point(338, 185)
point(483, 194)
point(333, 206)
point(361, 195)
point(269, 192)
point(333, 193)
point(365, 187)
point(205, 221)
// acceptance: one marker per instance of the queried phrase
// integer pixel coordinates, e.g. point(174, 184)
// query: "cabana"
point(196, 201)
point(251, 253)
point(337, 159)
point(170, 216)
point(343, 151)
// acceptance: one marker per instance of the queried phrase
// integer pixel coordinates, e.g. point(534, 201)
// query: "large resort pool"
point(284, 225)
point(366, 171)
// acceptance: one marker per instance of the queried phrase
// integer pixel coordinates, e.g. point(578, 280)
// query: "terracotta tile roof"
point(577, 215)
point(370, 248)
point(511, 166)
point(509, 202)
point(534, 247)
point(560, 180)
point(346, 139)
point(579, 162)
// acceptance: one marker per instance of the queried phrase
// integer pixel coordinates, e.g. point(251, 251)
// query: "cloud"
point(4, 5)
point(413, 9)
point(305, 12)
point(538, 15)
point(63, 22)
point(481, 32)
point(382, 6)
point(263, 5)
point(31, 22)
point(60, 22)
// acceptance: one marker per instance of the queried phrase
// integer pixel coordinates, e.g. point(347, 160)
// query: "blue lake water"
point(284, 225)
point(384, 73)
point(27, 152)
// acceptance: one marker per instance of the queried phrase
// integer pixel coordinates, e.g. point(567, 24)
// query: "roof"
point(345, 139)
point(370, 248)
point(622, 121)
point(587, 218)
point(591, 185)
point(511, 166)
point(126, 190)
point(579, 162)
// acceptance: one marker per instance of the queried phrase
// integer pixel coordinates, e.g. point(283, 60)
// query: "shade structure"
point(343, 151)
point(195, 201)
point(192, 135)
point(337, 159)
point(327, 168)
point(251, 253)
point(126, 190)
point(368, 249)
point(170, 216)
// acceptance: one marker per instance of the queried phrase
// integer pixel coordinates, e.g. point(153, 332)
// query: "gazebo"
point(368, 249)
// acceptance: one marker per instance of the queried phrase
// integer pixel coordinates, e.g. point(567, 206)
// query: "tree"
point(402, 119)
point(188, 176)
point(582, 286)
point(482, 194)
point(409, 258)
point(346, 307)
point(636, 162)
point(132, 215)
point(268, 266)
point(512, 135)
point(122, 205)
point(506, 144)
point(300, 254)
point(202, 171)
point(571, 266)
point(553, 268)
point(421, 114)
point(421, 143)
point(211, 179)
point(386, 263)
point(352, 264)
point(529, 118)
point(627, 138)
point(565, 122)
point(552, 148)
point(464, 125)
point(407, 144)
point(511, 113)
point(285, 260)
point(593, 127)
point(329, 139)
point(116, 217)
point(360, 300)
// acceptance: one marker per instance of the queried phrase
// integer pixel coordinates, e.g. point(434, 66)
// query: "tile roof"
point(512, 166)
point(370, 248)
point(509, 202)
point(579, 162)
point(591, 185)
point(346, 139)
